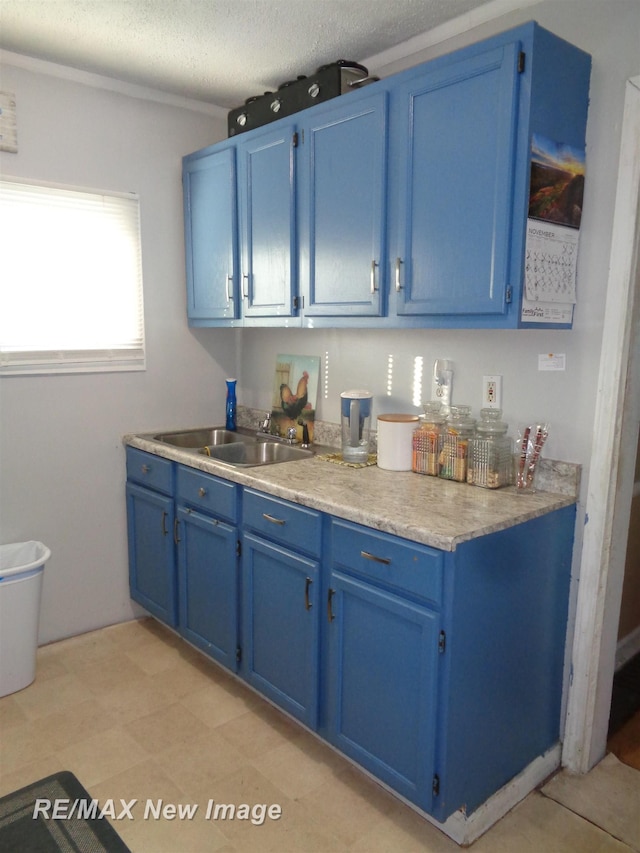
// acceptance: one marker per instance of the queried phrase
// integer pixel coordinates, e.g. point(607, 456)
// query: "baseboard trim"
point(465, 829)
point(628, 647)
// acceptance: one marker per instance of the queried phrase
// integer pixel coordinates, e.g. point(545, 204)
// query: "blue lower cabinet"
point(152, 563)
point(208, 585)
point(503, 665)
point(280, 625)
point(382, 684)
point(440, 673)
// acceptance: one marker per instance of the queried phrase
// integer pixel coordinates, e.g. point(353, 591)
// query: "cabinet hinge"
point(238, 548)
point(295, 139)
point(521, 56)
point(435, 786)
point(508, 294)
point(238, 654)
point(442, 642)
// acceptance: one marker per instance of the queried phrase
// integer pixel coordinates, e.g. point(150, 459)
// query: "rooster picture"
point(295, 392)
point(293, 404)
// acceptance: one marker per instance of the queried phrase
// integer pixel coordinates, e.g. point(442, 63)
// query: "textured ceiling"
point(217, 51)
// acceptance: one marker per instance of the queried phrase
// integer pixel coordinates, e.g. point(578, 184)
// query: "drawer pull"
point(164, 524)
point(272, 519)
point(146, 469)
point(307, 586)
point(202, 491)
point(384, 560)
point(330, 613)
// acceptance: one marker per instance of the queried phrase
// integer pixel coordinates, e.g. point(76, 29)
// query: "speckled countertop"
point(425, 509)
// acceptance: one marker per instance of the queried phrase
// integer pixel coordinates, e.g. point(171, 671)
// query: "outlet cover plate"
point(492, 392)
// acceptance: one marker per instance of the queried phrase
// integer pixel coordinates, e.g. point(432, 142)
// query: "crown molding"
point(481, 15)
point(99, 81)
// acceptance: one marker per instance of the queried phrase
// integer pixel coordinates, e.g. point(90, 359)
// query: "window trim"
point(130, 356)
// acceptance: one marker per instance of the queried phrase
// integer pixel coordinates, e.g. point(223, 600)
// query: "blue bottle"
point(231, 404)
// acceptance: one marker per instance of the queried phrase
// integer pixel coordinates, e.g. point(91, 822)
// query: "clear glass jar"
point(427, 439)
point(491, 452)
point(458, 431)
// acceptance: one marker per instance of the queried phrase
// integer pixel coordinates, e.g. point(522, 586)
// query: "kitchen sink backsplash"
point(561, 478)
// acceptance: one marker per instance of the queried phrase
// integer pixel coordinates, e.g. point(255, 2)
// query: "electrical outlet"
point(492, 392)
point(442, 382)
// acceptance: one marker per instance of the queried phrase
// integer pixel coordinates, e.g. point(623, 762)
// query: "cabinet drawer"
point(283, 522)
point(150, 470)
point(208, 493)
point(396, 563)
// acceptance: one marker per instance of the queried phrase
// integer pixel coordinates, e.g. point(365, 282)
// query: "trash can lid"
point(18, 557)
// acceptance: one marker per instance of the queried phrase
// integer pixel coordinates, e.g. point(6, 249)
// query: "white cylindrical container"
point(395, 441)
point(21, 573)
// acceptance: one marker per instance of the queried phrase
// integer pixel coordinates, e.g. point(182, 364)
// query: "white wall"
point(62, 466)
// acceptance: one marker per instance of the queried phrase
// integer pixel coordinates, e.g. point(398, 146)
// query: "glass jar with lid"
point(427, 439)
point(491, 452)
point(459, 429)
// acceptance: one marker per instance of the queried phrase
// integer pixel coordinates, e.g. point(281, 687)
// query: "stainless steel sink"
point(195, 438)
point(251, 454)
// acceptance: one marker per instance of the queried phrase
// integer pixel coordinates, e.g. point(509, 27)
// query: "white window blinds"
point(70, 280)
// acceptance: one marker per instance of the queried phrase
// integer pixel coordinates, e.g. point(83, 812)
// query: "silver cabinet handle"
point(202, 491)
point(146, 469)
point(272, 519)
point(245, 291)
point(384, 560)
point(229, 288)
point(373, 277)
point(398, 285)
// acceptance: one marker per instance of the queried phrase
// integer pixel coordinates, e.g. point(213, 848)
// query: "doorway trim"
point(610, 484)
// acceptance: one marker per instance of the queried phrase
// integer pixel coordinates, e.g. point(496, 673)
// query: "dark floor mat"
point(28, 829)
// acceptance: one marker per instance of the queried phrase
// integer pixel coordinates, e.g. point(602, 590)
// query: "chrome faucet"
point(265, 423)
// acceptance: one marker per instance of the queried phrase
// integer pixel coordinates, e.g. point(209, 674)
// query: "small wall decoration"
point(295, 393)
point(553, 225)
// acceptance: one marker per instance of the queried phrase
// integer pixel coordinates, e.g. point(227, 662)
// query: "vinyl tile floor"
point(135, 713)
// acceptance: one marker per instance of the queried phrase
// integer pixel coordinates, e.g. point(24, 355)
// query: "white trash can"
point(21, 573)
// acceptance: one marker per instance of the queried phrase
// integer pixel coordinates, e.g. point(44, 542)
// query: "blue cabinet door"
point(280, 626)
point(209, 187)
point(343, 208)
point(152, 568)
point(208, 585)
point(382, 684)
point(267, 187)
point(454, 133)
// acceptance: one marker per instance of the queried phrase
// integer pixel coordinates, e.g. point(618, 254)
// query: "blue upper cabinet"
point(267, 194)
point(402, 204)
point(455, 130)
point(462, 128)
point(209, 187)
point(343, 208)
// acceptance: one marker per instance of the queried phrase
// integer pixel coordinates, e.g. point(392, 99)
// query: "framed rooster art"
point(295, 393)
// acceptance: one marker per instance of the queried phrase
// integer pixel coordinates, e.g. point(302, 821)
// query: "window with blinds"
point(70, 280)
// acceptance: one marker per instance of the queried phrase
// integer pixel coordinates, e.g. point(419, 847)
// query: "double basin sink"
point(240, 449)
